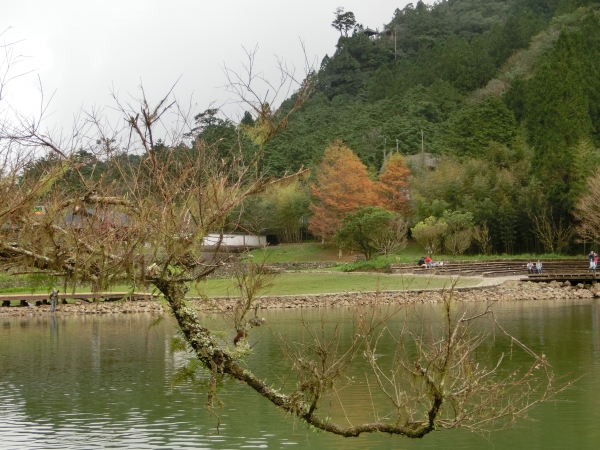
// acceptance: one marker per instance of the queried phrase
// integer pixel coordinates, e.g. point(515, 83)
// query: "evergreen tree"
point(472, 129)
point(393, 185)
point(557, 116)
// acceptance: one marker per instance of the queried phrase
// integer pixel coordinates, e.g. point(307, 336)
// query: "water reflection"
point(104, 381)
point(53, 328)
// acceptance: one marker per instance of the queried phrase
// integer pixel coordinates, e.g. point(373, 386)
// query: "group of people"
point(533, 268)
point(428, 262)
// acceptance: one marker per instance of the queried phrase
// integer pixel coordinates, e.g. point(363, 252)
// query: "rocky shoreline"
point(508, 291)
point(152, 307)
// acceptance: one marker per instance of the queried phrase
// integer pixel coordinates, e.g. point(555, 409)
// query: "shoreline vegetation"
point(315, 252)
point(511, 290)
point(297, 283)
point(311, 276)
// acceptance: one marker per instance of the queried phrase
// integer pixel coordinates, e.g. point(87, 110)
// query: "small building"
point(424, 160)
point(369, 32)
point(104, 216)
point(234, 241)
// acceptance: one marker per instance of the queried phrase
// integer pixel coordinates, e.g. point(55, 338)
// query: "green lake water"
point(85, 382)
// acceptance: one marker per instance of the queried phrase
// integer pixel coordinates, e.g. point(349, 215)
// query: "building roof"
point(109, 217)
point(428, 160)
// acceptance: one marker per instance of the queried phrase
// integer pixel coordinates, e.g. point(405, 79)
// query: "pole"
point(422, 149)
point(384, 147)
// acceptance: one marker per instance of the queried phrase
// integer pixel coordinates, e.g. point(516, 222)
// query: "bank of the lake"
point(507, 291)
point(104, 381)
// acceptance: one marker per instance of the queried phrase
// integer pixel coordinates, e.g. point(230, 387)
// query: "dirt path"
point(483, 281)
point(496, 281)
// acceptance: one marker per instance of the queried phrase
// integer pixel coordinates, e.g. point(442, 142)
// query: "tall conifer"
point(342, 187)
point(393, 185)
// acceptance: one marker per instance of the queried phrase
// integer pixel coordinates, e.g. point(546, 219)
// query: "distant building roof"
point(109, 217)
point(428, 160)
point(369, 32)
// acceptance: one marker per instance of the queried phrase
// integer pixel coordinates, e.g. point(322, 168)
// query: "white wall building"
point(235, 240)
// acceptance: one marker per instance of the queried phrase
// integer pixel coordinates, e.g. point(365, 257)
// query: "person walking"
point(53, 300)
point(593, 260)
point(538, 266)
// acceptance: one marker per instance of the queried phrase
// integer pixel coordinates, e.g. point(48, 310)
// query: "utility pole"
point(384, 147)
point(422, 149)
point(396, 27)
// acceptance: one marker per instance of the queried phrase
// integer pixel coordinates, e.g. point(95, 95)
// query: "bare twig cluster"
point(143, 221)
point(435, 377)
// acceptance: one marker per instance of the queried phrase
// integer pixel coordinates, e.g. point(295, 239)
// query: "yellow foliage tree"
point(342, 186)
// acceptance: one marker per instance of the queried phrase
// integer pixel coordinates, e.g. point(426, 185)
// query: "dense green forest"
point(505, 94)
point(432, 73)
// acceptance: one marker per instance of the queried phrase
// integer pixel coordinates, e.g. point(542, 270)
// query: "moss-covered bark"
point(221, 361)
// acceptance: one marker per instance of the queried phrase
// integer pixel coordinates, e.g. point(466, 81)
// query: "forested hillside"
point(501, 96)
point(505, 93)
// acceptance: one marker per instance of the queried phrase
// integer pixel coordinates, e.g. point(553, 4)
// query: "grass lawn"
point(305, 252)
point(46, 290)
point(315, 251)
point(307, 283)
point(317, 283)
point(304, 282)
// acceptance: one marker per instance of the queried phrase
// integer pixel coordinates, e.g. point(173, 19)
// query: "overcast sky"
point(80, 48)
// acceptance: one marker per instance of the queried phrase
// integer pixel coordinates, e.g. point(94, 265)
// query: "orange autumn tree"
point(393, 185)
point(342, 187)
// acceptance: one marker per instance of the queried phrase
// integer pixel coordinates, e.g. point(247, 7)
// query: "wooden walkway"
point(571, 277)
point(43, 299)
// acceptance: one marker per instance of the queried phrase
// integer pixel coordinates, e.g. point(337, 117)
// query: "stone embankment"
point(152, 307)
point(508, 291)
point(231, 268)
point(304, 265)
